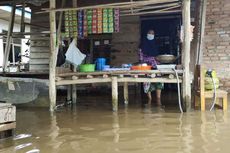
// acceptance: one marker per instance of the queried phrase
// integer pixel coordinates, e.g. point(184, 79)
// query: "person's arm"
point(140, 53)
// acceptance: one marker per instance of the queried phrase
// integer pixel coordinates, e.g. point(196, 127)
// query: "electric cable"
point(214, 94)
point(178, 90)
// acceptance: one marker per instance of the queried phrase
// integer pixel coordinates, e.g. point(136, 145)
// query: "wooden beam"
point(186, 52)
point(53, 57)
point(153, 80)
point(150, 7)
point(152, 12)
point(122, 72)
point(125, 79)
point(83, 81)
point(60, 24)
point(113, 5)
point(8, 126)
point(9, 37)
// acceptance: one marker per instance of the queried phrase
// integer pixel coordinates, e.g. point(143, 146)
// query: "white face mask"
point(150, 36)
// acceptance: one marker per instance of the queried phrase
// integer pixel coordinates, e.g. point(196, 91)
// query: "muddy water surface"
point(134, 129)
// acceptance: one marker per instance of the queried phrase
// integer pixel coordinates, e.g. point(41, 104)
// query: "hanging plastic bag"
point(74, 55)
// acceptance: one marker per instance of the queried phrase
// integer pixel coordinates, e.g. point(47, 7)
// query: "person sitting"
point(147, 53)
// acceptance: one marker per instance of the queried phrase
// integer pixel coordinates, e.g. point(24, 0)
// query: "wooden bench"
point(201, 94)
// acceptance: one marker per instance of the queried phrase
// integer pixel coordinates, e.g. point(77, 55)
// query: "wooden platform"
point(115, 77)
point(164, 76)
point(7, 117)
point(7, 126)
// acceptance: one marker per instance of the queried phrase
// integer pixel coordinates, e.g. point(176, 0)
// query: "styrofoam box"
point(166, 66)
point(7, 113)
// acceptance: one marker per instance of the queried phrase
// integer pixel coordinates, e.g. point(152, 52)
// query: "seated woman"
point(147, 53)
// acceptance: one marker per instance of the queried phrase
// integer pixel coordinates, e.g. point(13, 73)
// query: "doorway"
point(167, 30)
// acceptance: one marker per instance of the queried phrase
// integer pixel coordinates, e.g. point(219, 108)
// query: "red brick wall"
point(217, 39)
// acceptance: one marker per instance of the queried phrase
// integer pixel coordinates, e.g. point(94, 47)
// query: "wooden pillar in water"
point(9, 37)
point(114, 93)
point(74, 87)
point(53, 56)
point(186, 52)
point(126, 93)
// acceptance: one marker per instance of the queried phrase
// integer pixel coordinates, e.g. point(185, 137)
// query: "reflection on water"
point(134, 129)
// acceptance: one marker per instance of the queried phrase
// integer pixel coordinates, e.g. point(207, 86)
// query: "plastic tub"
point(141, 67)
point(87, 67)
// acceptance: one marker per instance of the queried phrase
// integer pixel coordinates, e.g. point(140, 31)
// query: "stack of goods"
point(94, 21)
point(85, 24)
point(89, 14)
point(99, 21)
point(91, 21)
point(81, 24)
point(108, 25)
point(71, 24)
point(116, 20)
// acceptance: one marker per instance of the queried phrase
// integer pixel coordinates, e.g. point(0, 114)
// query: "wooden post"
point(53, 56)
point(69, 97)
point(114, 93)
point(186, 57)
point(201, 31)
point(60, 23)
point(126, 93)
point(22, 28)
point(74, 87)
point(9, 37)
point(91, 50)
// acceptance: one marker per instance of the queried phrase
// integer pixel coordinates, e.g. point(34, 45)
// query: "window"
point(15, 50)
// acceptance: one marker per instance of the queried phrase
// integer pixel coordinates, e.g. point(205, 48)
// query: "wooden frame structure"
point(125, 77)
point(127, 8)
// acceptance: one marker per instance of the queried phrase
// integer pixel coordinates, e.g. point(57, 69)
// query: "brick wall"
point(217, 39)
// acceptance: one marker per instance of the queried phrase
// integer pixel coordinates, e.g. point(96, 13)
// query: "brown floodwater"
point(91, 127)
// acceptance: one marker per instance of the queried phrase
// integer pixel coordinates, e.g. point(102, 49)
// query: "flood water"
point(94, 128)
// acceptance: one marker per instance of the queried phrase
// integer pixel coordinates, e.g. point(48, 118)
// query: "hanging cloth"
point(74, 55)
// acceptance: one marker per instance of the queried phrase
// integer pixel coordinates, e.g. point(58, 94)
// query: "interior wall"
point(125, 43)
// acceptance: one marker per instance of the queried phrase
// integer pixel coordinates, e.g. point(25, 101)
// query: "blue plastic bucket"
point(100, 63)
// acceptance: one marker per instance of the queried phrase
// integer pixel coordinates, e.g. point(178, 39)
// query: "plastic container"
point(100, 63)
point(87, 67)
point(106, 67)
point(141, 67)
